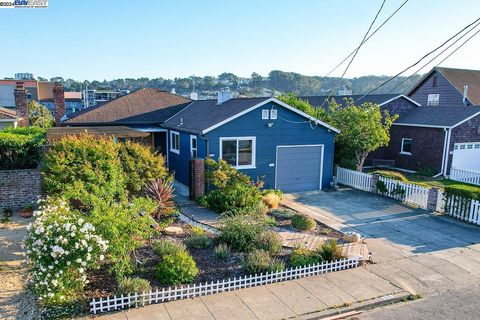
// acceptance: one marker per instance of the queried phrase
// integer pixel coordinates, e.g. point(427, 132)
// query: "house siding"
point(449, 95)
point(283, 132)
point(427, 148)
point(179, 164)
point(468, 131)
point(400, 106)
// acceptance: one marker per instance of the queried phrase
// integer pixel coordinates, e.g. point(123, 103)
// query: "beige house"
point(8, 118)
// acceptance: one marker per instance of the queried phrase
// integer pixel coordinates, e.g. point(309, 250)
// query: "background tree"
point(39, 115)
point(363, 129)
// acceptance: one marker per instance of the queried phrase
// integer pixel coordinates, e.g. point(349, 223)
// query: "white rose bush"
point(61, 246)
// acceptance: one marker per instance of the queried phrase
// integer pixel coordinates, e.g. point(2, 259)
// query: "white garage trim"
point(466, 155)
point(299, 146)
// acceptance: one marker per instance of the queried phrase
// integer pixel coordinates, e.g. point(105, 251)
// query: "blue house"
point(262, 137)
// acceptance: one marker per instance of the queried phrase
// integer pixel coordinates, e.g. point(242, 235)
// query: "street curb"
point(365, 305)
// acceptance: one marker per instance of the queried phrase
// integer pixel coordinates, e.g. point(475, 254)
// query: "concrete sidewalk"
point(275, 301)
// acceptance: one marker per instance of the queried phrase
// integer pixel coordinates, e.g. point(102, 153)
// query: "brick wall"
point(18, 187)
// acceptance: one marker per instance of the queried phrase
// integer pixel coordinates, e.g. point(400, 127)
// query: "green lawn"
point(429, 181)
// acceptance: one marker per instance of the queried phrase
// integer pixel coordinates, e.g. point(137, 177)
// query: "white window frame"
point(254, 152)
point(193, 137)
point(401, 149)
point(273, 114)
point(436, 103)
point(172, 149)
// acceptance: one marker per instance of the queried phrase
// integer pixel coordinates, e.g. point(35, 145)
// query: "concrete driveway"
point(412, 248)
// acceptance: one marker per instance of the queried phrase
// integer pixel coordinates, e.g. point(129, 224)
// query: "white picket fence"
point(408, 193)
point(462, 208)
point(467, 176)
point(195, 290)
point(412, 194)
point(354, 179)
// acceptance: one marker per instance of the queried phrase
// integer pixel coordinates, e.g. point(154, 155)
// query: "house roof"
point(73, 95)
point(438, 116)
point(7, 114)
point(458, 78)
point(461, 77)
point(317, 101)
point(202, 116)
point(147, 105)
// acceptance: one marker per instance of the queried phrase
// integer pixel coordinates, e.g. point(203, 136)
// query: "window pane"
point(407, 146)
point(245, 152)
point(194, 143)
point(229, 151)
point(177, 141)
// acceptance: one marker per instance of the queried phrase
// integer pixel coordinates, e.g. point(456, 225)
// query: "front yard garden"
point(102, 229)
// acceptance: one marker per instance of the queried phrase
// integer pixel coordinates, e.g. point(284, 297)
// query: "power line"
point(363, 39)
point(473, 35)
point(358, 48)
point(423, 66)
point(375, 31)
point(419, 60)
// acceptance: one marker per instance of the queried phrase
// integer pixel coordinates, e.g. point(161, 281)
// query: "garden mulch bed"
point(321, 229)
point(103, 284)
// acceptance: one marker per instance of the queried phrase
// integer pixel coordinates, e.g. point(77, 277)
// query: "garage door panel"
point(298, 168)
point(466, 156)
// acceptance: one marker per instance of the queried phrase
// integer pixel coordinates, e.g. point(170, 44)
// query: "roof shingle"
point(461, 77)
point(6, 114)
point(145, 105)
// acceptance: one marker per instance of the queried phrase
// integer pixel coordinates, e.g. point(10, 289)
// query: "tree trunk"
point(361, 156)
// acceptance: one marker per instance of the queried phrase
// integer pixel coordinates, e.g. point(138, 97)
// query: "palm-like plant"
point(162, 192)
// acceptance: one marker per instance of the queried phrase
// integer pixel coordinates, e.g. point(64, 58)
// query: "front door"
point(160, 143)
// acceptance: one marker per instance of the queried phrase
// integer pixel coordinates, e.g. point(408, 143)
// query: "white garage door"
point(466, 156)
point(299, 168)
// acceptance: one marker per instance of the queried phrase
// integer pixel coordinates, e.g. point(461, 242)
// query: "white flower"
point(68, 263)
point(89, 249)
point(102, 257)
point(81, 270)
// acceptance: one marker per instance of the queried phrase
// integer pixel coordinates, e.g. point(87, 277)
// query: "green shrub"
point(455, 188)
point(330, 251)
point(241, 233)
point(302, 257)
point(198, 241)
point(234, 193)
point(128, 285)
point(222, 251)
point(259, 261)
point(161, 191)
point(21, 148)
point(303, 222)
point(176, 268)
point(283, 214)
point(124, 227)
point(381, 187)
point(271, 200)
point(271, 242)
point(165, 247)
point(85, 163)
point(141, 164)
point(426, 172)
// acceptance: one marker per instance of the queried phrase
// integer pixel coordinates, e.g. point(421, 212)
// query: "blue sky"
point(87, 39)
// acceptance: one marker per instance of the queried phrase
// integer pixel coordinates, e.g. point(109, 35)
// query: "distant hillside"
point(256, 85)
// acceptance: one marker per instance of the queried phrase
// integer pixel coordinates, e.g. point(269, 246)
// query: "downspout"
point(447, 154)
point(443, 153)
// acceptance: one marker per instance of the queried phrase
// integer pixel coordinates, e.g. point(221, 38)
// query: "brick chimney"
point(21, 104)
point(59, 103)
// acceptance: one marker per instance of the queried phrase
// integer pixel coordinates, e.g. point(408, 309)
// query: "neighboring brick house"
point(442, 109)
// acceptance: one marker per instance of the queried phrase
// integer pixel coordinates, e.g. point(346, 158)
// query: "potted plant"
point(26, 211)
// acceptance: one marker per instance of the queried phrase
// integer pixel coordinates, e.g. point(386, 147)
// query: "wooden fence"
point(195, 290)
point(467, 176)
point(408, 193)
point(354, 179)
point(462, 208)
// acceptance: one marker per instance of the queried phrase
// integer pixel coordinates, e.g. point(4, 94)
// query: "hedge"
point(21, 148)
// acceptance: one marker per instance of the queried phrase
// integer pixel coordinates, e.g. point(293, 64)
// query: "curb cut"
point(365, 305)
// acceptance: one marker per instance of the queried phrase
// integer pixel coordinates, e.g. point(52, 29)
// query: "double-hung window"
point(238, 152)
point(433, 99)
point(406, 146)
point(193, 146)
point(175, 142)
